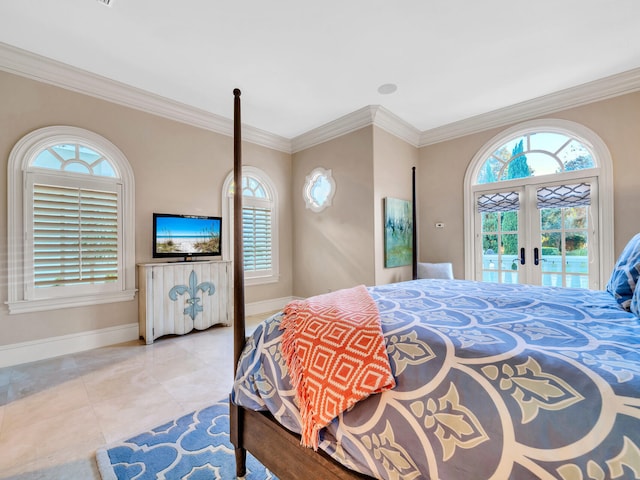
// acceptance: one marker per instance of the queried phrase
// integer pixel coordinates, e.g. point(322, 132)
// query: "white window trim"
point(227, 232)
point(603, 170)
point(19, 160)
point(310, 181)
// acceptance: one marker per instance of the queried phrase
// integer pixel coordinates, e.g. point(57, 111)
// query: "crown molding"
point(396, 126)
point(341, 126)
point(26, 64)
point(366, 116)
point(597, 90)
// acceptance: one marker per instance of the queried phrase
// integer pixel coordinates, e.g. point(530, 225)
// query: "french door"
point(538, 233)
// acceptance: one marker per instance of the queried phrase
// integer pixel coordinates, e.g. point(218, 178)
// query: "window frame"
point(259, 277)
point(307, 191)
point(603, 171)
point(19, 208)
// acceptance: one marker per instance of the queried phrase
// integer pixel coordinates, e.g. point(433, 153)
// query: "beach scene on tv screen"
point(187, 235)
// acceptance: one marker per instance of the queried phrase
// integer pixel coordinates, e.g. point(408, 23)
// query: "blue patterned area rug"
point(194, 447)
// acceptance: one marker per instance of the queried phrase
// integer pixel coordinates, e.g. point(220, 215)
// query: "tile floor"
point(55, 413)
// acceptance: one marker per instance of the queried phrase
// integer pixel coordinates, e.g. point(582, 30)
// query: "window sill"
point(26, 306)
point(250, 281)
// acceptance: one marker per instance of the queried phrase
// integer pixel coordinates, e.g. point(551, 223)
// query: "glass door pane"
point(564, 238)
point(500, 247)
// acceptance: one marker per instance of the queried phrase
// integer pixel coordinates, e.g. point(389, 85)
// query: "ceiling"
point(302, 64)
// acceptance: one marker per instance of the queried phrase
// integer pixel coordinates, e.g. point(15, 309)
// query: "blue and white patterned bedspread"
point(493, 381)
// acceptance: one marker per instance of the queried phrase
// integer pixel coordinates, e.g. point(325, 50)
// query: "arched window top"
point(74, 158)
point(253, 187)
point(533, 154)
point(536, 148)
point(70, 150)
point(255, 184)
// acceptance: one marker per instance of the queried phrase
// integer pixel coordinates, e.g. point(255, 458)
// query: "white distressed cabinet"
point(175, 298)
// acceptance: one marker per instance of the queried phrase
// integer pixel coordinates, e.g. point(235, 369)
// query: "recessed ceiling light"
point(387, 88)
point(105, 2)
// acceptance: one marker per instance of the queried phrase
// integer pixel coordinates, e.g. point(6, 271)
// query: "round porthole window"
point(319, 189)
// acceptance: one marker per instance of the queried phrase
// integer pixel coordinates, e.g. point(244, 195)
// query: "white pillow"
point(435, 270)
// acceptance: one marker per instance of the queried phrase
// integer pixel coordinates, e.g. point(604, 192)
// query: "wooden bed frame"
point(274, 446)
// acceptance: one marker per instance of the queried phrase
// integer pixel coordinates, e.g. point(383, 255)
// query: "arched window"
point(70, 221)
point(539, 207)
point(259, 225)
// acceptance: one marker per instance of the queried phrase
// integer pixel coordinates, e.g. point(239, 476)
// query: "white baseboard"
point(42, 349)
point(35, 350)
point(266, 306)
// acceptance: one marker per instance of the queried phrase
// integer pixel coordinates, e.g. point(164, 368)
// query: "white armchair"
point(435, 270)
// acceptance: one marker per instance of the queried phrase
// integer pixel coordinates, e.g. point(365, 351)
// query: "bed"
point(491, 381)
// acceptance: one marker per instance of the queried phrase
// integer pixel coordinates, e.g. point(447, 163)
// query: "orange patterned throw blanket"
point(335, 352)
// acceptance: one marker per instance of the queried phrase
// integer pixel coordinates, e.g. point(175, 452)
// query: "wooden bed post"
point(414, 262)
point(236, 415)
point(274, 446)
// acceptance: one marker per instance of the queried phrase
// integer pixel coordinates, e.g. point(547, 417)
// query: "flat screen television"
point(186, 236)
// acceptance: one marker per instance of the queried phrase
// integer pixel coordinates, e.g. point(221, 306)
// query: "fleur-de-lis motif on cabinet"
point(193, 302)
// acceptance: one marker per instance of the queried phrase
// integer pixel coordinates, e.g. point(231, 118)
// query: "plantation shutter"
point(75, 236)
point(256, 234)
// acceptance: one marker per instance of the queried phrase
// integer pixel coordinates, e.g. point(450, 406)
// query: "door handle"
point(522, 259)
point(536, 256)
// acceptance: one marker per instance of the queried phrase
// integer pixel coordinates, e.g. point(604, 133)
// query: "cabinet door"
point(205, 289)
point(225, 296)
point(170, 300)
point(192, 292)
point(179, 297)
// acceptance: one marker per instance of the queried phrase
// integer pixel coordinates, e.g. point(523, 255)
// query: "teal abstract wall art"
point(398, 232)
point(193, 302)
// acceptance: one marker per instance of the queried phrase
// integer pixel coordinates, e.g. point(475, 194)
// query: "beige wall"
point(343, 245)
point(393, 160)
point(443, 166)
point(177, 168)
point(334, 248)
